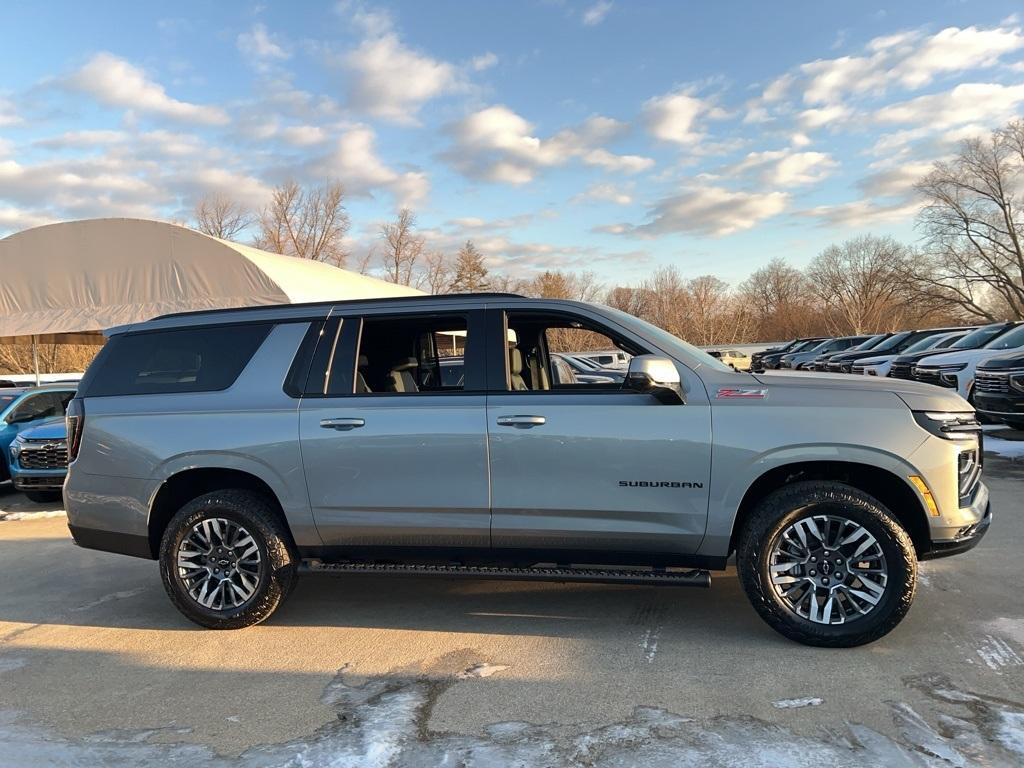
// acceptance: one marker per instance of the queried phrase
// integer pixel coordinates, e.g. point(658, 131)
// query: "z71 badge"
point(743, 394)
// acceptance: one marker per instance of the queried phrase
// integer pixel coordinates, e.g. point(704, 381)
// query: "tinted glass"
point(980, 336)
point(893, 342)
point(1010, 340)
point(202, 359)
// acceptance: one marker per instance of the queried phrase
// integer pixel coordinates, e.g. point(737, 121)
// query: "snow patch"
point(1010, 733)
point(997, 654)
point(481, 670)
point(39, 515)
point(809, 701)
point(1008, 449)
point(649, 643)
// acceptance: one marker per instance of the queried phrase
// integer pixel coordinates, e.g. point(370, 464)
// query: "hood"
point(914, 357)
point(51, 429)
point(1004, 362)
point(875, 360)
point(960, 356)
point(917, 395)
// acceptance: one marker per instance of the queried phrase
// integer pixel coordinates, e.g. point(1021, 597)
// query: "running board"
point(680, 578)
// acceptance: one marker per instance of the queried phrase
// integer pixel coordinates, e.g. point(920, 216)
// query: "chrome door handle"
point(343, 424)
point(522, 422)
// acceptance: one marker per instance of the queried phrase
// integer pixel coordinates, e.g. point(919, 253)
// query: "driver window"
point(554, 353)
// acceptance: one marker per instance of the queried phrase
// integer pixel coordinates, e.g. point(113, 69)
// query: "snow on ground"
point(1008, 449)
point(380, 723)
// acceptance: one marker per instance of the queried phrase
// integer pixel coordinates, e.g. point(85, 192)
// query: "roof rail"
point(342, 302)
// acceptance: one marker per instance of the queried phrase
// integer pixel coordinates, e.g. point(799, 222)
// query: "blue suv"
point(39, 460)
point(29, 409)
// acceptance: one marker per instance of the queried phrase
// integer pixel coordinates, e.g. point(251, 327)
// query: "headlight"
point(16, 447)
point(947, 373)
point(1017, 381)
point(949, 425)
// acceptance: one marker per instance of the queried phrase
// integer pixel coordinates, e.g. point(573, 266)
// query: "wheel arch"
point(187, 484)
point(890, 489)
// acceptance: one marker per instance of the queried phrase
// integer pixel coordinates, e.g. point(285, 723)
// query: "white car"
point(615, 359)
point(879, 366)
point(955, 370)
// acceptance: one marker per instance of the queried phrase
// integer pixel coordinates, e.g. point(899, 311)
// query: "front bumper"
point(1000, 404)
point(38, 479)
point(974, 518)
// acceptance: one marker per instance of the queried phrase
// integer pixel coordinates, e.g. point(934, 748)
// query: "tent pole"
point(35, 357)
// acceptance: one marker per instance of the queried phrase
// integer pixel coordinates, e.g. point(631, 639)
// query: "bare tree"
point(307, 223)
point(470, 272)
point(218, 215)
point(437, 273)
point(861, 283)
point(780, 301)
point(974, 253)
point(402, 247)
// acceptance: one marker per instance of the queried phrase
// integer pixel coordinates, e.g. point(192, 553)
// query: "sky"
point(603, 135)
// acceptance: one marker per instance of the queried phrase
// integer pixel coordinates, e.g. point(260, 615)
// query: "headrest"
point(515, 361)
point(405, 364)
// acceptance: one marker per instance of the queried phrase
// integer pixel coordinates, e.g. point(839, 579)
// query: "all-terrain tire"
point(43, 497)
point(259, 517)
point(794, 502)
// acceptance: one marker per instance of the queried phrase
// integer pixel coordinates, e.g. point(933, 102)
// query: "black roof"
point(425, 298)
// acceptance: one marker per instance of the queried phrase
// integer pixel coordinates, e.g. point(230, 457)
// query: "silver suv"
point(241, 448)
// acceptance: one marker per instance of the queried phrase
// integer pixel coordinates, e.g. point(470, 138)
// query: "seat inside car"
point(400, 378)
point(515, 369)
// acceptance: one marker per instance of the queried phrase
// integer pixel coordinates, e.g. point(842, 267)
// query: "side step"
point(678, 578)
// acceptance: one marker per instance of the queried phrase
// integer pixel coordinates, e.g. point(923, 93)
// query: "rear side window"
point(203, 359)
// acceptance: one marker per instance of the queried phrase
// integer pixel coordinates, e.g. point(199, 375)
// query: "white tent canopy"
point(90, 275)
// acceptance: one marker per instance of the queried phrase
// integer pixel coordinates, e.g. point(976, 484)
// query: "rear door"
point(589, 466)
point(393, 431)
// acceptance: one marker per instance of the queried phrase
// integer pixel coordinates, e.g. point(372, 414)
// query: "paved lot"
point(96, 668)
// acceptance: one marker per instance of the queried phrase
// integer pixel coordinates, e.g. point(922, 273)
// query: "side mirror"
point(657, 376)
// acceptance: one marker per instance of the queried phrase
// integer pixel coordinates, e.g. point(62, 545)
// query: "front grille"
point(996, 383)
point(969, 471)
point(49, 455)
point(901, 371)
point(930, 376)
point(858, 369)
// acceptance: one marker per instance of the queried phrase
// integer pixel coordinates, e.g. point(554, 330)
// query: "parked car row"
point(33, 439)
point(984, 364)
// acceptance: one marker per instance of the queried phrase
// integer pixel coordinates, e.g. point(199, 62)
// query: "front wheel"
point(826, 564)
point(226, 560)
point(43, 497)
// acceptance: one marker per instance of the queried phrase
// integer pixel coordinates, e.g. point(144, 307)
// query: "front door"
point(591, 466)
point(394, 434)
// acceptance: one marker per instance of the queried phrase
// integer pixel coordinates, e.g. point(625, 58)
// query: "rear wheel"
point(826, 564)
point(43, 497)
point(226, 560)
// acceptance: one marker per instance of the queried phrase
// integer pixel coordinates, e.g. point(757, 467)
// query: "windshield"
point(672, 344)
point(870, 343)
point(892, 342)
point(926, 343)
point(980, 336)
point(1011, 340)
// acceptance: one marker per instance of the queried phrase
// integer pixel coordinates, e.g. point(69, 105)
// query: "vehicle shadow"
point(54, 582)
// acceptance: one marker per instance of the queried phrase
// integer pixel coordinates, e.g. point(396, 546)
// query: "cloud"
point(16, 219)
point(8, 114)
point(906, 60)
point(483, 61)
point(706, 211)
point(354, 162)
point(785, 168)
point(863, 213)
point(388, 79)
point(496, 144)
point(303, 135)
point(259, 48)
point(966, 103)
point(895, 182)
point(673, 117)
point(606, 193)
point(114, 82)
point(595, 14)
